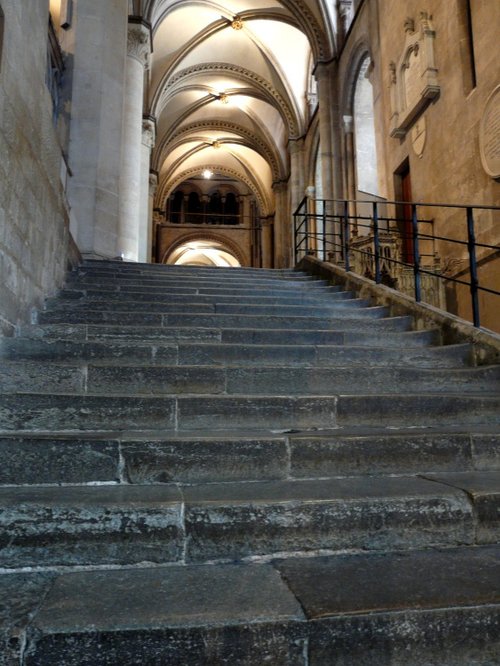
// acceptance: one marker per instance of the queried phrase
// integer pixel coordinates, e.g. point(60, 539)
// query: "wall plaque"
point(414, 82)
point(489, 135)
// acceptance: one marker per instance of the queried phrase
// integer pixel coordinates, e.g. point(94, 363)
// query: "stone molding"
point(139, 43)
point(413, 79)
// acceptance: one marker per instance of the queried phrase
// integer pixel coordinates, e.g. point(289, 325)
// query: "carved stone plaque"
point(489, 135)
point(413, 79)
point(419, 136)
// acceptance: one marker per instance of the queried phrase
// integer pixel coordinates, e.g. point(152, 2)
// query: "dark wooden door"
point(406, 223)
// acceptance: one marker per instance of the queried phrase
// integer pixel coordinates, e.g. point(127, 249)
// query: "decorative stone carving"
point(413, 79)
point(148, 132)
point(489, 135)
point(139, 43)
point(419, 136)
point(153, 183)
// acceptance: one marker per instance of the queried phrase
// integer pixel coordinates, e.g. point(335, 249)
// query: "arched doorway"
point(203, 253)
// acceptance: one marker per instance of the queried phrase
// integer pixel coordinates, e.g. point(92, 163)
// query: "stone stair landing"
point(211, 466)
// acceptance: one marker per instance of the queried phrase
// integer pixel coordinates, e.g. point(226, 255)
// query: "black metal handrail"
point(331, 229)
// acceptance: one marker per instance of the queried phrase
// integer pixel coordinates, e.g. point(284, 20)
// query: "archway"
point(202, 253)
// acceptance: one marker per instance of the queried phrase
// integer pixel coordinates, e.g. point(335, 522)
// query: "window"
point(364, 131)
point(467, 45)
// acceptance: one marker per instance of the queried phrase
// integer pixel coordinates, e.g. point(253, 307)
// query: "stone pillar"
point(146, 210)
point(266, 243)
point(153, 187)
point(138, 53)
point(297, 172)
point(330, 142)
point(94, 155)
point(282, 227)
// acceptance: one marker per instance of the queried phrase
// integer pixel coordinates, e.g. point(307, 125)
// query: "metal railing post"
point(306, 214)
point(376, 243)
point(324, 230)
point(296, 237)
point(474, 282)
point(416, 253)
point(346, 237)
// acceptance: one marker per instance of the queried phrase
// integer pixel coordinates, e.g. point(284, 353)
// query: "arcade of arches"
point(189, 131)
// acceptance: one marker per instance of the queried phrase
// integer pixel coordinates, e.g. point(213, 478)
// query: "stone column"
point(146, 210)
point(153, 187)
point(138, 53)
point(266, 243)
point(282, 227)
point(330, 140)
point(98, 83)
point(297, 175)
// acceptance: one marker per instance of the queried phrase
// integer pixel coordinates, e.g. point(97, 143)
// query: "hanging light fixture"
point(237, 23)
point(207, 174)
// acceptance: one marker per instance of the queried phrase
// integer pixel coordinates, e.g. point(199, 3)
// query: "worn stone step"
point(233, 521)
point(84, 525)
point(89, 525)
point(164, 281)
point(164, 334)
point(180, 353)
point(323, 309)
point(106, 290)
point(483, 489)
point(341, 319)
point(144, 458)
point(373, 338)
point(123, 379)
point(422, 607)
point(248, 296)
point(181, 616)
point(126, 268)
point(31, 412)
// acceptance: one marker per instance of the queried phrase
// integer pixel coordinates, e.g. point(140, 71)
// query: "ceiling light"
point(207, 174)
point(237, 23)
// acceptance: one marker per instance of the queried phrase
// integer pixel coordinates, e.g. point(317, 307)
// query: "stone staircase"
point(238, 466)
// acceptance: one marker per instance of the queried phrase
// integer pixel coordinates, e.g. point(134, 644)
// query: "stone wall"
point(34, 232)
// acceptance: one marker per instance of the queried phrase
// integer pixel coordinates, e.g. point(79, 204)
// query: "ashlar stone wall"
point(34, 234)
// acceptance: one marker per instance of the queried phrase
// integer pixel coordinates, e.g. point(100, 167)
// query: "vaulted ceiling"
point(228, 83)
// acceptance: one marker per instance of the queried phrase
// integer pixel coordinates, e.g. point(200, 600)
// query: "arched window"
point(232, 209)
point(175, 204)
point(364, 131)
point(194, 208)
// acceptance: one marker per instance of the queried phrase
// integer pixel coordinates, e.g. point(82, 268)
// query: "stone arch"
point(231, 246)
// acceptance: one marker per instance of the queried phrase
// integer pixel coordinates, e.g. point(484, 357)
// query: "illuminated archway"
point(202, 253)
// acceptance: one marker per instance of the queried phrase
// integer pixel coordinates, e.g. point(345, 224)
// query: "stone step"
point(439, 607)
point(87, 378)
point(148, 457)
point(118, 525)
point(29, 412)
point(357, 307)
point(340, 320)
point(167, 334)
point(161, 269)
point(247, 296)
point(421, 607)
point(203, 353)
point(323, 309)
point(164, 281)
point(32, 412)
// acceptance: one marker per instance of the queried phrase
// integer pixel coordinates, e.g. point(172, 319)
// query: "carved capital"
point(139, 43)
point(153, 183)
point(148, 132)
